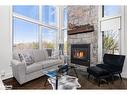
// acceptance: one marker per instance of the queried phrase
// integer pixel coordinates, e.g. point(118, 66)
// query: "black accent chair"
point(112, 64)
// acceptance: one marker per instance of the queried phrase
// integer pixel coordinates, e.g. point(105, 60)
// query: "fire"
point(79, 54)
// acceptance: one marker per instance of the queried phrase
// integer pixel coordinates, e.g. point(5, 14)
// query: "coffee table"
point(55, 75)
point(52, 74)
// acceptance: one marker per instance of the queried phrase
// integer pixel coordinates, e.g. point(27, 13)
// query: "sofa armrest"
point(19, 70)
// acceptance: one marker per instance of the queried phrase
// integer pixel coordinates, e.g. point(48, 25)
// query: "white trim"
point(99, 35)
point(122, 39)
point(108, 18)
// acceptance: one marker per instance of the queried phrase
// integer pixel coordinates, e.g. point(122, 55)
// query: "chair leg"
point(88, 76)
point(112, 76)
point(120, 76)
point(99, 81)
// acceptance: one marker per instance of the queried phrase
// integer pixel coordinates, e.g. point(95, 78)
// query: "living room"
point(50, 36)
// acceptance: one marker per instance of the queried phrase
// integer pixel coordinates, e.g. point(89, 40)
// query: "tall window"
point(35, 26)
point(111, 29)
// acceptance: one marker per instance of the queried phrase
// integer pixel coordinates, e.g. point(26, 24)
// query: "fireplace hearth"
point(80, 54)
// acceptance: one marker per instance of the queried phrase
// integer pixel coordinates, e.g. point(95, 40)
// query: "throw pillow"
point(28, 59)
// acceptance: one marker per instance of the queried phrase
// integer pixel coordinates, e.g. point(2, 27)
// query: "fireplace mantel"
point(80, 29)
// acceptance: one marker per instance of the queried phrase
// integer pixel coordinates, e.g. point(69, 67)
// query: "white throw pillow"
point(27, 58)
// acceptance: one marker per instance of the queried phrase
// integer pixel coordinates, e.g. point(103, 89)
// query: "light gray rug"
point(65, 82)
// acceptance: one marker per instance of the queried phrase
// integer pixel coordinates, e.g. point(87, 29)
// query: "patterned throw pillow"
point(28, 59)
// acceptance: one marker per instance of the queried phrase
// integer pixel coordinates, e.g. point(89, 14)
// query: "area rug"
point(65, 82)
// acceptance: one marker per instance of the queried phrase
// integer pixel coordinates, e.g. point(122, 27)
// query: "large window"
point(36, 26)
point(25, 34)
point(108, 10)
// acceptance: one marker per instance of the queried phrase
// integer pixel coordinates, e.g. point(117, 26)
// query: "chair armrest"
point(19, 70)
point(18, 63)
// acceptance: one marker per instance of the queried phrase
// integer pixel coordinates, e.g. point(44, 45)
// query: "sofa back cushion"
point(40, 55)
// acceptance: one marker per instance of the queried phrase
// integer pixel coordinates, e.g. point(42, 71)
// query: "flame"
point(79, 54)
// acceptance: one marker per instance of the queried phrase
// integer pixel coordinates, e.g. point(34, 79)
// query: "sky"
point(28, 32)
point(111, 10)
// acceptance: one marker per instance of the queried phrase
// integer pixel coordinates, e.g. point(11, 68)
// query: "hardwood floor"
point(85, 83)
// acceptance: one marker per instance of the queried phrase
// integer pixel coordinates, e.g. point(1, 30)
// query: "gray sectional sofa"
point(24, 73)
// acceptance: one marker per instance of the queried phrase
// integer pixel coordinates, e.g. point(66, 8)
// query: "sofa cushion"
point(39, 55)
point(48, 63)
point(34, 67)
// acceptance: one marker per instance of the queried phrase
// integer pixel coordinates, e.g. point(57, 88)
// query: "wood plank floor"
point(85, 83)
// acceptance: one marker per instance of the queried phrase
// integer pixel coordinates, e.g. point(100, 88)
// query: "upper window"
point(49, 15)
point(108, 11)
point(27, 10)
point(25, 34)
point(65, 18)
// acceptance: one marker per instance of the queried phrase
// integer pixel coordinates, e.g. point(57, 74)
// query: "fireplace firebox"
point(80, 54)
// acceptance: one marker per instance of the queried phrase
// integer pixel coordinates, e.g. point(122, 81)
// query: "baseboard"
point(7, 76)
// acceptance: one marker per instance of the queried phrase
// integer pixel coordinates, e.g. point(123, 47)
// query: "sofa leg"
point(120, 76)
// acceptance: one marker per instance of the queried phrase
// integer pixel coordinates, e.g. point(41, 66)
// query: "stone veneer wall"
point(81, 15)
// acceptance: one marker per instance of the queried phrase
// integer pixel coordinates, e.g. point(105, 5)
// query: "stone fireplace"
point(80, 54)
point(80, 16)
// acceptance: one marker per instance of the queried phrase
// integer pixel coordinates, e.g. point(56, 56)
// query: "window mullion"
point(40, 28)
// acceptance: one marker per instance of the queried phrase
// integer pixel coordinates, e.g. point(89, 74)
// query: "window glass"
point(111, 41)
point(111, 11)
point(65, 41)
point(25, 34)
point(27, 10)
point(48, 38)
point(65, 18)
point(49, 15)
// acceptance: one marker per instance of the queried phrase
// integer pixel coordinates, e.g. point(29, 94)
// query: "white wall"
point(5, 40)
